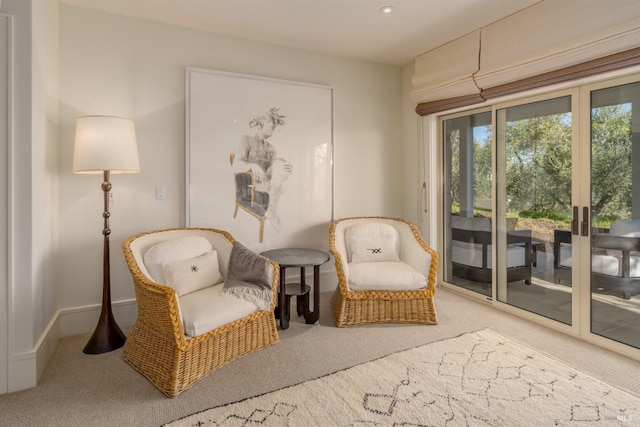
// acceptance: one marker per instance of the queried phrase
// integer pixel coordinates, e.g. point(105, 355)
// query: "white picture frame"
point(281, 131)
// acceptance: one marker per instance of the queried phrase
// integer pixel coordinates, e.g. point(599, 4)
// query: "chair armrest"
point(471, 236)
point(158, 306)
point(414, 250)
point(521, 238)
point(422, 257)
point(559, 237)
point(275, 284)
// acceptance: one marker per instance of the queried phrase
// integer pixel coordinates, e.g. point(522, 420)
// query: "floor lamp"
point(105, 145)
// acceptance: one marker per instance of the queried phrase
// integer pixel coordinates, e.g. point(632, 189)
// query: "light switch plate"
point(161, 193)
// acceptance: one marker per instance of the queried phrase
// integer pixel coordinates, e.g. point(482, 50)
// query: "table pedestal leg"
point(300, 298)
point(312, 317)
point(283, 303)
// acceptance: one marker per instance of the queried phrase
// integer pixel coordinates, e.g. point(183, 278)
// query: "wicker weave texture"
point(364, 307)
point(157, 347)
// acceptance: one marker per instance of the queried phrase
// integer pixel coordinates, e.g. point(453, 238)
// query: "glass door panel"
point(543, 214)
point(468, 202)
point(615, 213)
point(534, 210)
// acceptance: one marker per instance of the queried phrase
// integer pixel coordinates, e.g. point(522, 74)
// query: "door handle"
point(574, 222)
point(585, 221)
point(423, 200)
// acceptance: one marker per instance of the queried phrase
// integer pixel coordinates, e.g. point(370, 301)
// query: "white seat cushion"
point(470, 254)
point(207, 309)
point(467, 253)
point(565, 256)
point(603, 264)
point(634, 265)
point(385, 276)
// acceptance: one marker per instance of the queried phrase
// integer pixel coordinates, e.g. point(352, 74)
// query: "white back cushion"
point(371, 242)
point(604, 264)
point(473, 224)
point(625, 228)
point(174, 250)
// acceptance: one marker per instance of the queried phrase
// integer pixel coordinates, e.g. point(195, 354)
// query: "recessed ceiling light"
point(386, 9)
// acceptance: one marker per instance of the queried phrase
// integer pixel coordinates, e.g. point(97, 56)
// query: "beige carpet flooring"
point(102, 390)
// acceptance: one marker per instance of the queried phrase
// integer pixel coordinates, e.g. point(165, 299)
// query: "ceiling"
point(351, 28)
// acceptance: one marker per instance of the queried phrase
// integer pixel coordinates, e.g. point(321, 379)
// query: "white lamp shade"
point(105, 143)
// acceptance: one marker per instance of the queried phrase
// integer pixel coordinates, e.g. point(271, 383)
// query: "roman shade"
point(548, 43)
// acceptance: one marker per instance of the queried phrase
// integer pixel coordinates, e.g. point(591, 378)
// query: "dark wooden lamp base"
point(107, 336)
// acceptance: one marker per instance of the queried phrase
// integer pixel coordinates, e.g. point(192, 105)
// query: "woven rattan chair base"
point(374, 307)
point(173, 370)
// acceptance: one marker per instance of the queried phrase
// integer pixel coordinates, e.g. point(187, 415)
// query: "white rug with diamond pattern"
point(477, 379)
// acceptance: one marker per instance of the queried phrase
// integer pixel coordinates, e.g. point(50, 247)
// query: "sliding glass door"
point(468, 201)
point(541, 207)
point(534, 149)
point(615, 213)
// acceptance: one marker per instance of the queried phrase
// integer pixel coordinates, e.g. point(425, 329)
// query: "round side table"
point(298, 258)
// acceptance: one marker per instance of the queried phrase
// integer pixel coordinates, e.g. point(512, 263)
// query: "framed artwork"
point(259, 156)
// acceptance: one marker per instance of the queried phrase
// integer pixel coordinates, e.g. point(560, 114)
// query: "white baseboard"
point(83, 320)
point(27, 368)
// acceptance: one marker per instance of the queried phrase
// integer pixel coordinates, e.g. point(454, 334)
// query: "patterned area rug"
point(476, 379)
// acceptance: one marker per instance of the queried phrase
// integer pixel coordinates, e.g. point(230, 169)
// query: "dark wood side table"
point(298, 258)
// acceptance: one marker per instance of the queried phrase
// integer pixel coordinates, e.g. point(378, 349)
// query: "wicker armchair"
point(157, 345)
point(393, 301)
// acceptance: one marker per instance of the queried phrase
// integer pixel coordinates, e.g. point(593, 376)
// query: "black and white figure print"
point(259, 158)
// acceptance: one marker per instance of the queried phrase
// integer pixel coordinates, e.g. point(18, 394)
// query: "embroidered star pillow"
point(173, 250)
point(190, 275)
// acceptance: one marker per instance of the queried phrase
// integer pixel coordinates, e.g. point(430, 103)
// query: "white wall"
point(134, 68)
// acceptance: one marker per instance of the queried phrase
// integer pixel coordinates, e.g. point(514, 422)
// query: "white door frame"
point(6, 44)
point(428, 150)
